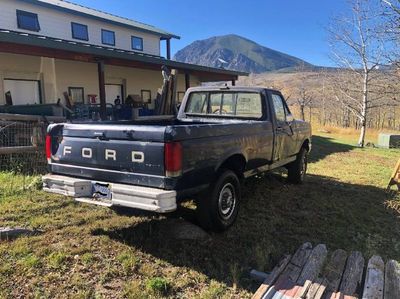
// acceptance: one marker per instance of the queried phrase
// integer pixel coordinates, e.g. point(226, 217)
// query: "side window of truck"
point(279, 107)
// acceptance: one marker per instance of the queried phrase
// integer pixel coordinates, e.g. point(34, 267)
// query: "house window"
point(28, 21)
point(76, 94)
point(146, 96)
point(80, 31)
point(137, 43)
point(108, 37)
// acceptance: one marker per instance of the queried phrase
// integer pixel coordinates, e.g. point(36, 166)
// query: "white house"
point(52, 47)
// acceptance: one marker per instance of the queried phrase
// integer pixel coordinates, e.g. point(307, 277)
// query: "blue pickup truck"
point(219, 137)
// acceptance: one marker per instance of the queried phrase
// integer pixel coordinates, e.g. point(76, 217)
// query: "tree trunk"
point(302, 114)
point(363, 117)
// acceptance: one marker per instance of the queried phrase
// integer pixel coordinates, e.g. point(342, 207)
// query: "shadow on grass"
point(324, 146)
point(275, 220)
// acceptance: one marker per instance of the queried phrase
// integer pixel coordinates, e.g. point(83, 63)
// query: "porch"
point(41, 70)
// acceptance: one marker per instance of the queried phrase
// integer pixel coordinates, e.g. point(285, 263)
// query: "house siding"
point(57, 24)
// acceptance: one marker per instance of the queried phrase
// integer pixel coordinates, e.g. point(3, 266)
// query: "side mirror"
point(289, 118)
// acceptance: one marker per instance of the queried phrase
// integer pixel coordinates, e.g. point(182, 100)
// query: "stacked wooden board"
point(313, 273)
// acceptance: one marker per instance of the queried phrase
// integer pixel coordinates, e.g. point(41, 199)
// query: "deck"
point(312, 273)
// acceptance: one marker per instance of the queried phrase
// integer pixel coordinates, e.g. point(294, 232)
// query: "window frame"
point(23, 13)
point(73, 32)
point(230, 116)
point(102, 37)
point(77, 88)
point(136, 37)
point(142, 92)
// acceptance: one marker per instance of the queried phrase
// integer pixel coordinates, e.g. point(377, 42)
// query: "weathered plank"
point(352, 275)
point(334, 269)
point(314, 264)
point(297, 262)
point(321, 291)
point(272, 277)
point(373, 287)
point(317, 289)
point(286, 290)
point(392, 280)
point(275, 290)
point(338, 295)
point(301, 293)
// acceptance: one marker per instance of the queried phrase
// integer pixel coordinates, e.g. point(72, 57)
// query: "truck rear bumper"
point(143, 198)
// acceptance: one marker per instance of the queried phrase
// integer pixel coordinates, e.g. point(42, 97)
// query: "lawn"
point(91, 252)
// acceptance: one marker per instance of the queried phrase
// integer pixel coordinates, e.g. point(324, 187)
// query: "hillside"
point(241, 54)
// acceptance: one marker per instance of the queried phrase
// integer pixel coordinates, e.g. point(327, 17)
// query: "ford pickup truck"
point(219, 137)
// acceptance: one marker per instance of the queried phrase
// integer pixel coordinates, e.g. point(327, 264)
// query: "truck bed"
point(132, 152)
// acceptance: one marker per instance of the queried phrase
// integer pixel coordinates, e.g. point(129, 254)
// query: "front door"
point(285, 138)
point(22, 92)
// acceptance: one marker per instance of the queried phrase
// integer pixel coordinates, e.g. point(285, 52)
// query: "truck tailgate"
point(130, 154)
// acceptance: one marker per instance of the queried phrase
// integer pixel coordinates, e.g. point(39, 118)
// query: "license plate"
point(101, 191)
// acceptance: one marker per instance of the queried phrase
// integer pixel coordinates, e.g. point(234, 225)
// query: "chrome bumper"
point(143, 198)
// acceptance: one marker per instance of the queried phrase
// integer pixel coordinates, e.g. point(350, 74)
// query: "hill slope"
point(241, 54)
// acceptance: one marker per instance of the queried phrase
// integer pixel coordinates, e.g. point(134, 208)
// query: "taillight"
point(173, 159)
point(48, 148)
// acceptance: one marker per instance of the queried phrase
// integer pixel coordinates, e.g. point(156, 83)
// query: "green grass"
point(91, 252)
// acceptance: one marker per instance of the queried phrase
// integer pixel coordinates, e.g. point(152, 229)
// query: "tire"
point(217, 209)
point(297, 170)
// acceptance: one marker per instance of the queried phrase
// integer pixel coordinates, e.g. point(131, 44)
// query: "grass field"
point(91, 252)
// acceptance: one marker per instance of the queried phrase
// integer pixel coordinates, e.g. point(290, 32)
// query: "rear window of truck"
point(236, 104)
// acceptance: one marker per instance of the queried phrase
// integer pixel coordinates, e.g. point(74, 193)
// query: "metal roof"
point(100, 15)
point(14, 37)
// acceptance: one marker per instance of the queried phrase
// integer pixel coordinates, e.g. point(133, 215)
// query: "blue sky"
point(295, 27)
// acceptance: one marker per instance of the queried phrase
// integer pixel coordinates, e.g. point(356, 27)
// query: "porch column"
point(168, 40)
point(102, 90)
point(187, 81)
point(2, 91)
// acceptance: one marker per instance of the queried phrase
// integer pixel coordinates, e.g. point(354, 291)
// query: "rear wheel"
point(218, 208)
point(297, 170)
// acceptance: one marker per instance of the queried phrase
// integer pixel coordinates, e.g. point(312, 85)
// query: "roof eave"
point(7, 36)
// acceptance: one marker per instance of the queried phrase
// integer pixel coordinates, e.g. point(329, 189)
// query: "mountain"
point(241, 54)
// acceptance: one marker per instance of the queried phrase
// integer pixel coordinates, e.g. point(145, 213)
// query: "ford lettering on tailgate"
point(120, 155)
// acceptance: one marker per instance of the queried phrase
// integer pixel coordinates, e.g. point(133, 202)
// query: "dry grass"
point(91, 252)
point(351, 134)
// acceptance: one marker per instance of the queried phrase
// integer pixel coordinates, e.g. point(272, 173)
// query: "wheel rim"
point(227, 201)
point(303, 169)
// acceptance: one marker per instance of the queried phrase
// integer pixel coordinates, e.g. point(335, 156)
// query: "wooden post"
point(187, 81)
point(168, 48)
point(395, 178)
point(102, 90)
